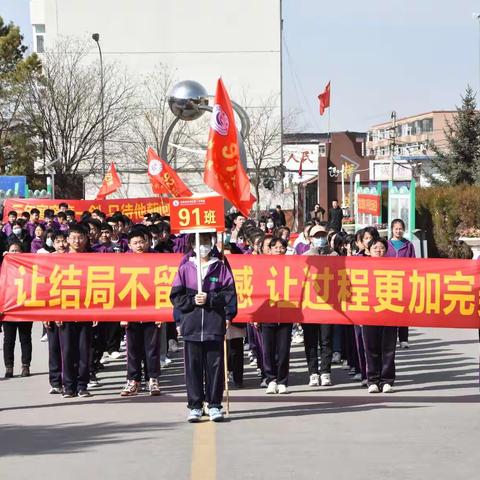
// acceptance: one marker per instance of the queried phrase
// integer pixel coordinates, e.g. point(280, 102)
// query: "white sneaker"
point(357, 376)
point(264, 383)
point(272, 387)
point(364, 382)
point(325, 380)
point(345, 365)
point(404, 345)
point(116, 355)
point(44, 338)
point(105, 358)
point(387, 388)
point(165, 361)
point(282, 389)
point(314, 380)
point(373, 389)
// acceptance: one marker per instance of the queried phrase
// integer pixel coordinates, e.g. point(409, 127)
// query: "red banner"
point(344, 290)
point(135, 208)
point(369, 203)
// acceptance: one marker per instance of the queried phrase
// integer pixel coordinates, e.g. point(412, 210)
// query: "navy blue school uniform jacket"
point(206, 322)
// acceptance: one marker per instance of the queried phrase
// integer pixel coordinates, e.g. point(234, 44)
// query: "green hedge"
point(443, 212)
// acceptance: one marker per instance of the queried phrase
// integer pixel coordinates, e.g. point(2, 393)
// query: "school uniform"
point(75, 343)
point(401, 249)
point(9, 337)
point(204, 327)
point(54, 356)
point(380, 343)
point(277, 339)
point(235, 337)
point(143, 344)
point(315, 335)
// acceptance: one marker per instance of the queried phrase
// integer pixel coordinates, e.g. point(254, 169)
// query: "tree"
point(64, 106)
point(459, 161)
point(18, 148)
point(264, 142)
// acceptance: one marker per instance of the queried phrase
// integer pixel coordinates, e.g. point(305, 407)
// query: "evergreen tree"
point(459, 162)
point(18, 147)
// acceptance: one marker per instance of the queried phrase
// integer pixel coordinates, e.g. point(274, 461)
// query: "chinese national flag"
point(324, 99)
point(111, 183)
point(224, 171)
point(163, 177)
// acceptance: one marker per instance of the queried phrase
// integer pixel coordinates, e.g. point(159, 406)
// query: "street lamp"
point(96, 38)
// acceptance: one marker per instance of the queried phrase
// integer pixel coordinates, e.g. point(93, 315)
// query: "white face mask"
point(49, 242)
point(320, 242)
point(269, 225)
point(17, 231)
point(205, 251)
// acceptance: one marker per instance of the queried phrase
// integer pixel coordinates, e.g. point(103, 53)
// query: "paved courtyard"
point(428, 429)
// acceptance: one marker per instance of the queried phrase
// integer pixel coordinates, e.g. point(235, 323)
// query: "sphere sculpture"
point(185, 98)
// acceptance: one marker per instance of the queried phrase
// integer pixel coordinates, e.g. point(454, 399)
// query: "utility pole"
point(393, 138)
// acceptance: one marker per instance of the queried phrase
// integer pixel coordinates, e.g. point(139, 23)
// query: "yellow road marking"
point(204, 455)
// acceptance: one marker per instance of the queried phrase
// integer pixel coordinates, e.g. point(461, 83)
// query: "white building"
point(239, 40)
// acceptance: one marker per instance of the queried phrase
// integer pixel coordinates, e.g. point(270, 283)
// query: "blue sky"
point(411, 56)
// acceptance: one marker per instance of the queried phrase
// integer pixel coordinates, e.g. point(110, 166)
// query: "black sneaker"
point(8, 372)
point(68, 394)
point(84, 393)
point(25, 371)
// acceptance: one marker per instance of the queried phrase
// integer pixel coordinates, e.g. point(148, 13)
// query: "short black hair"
point(34, 210)
point(105, 226)
point(48, 212)
point(95, 223)
point(78, 228)
point(276, 240)
point(62, 215)
point(58, 234)
point(12, 212)
point(381, 240)
point(70, 212)
point(135, 232)
point(19, 244)
point(63, 204)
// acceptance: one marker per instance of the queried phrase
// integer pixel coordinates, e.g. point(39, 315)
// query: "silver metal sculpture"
point(188, 100)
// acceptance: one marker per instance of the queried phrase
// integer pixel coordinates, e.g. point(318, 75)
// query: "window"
point(39, 38)
point(428, 124)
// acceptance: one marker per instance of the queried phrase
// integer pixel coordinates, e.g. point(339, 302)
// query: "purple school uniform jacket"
point(206, 322)
point(37, 244)
point(406, 250)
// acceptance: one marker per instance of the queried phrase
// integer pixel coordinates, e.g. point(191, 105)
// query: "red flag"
point(163, 177)
point(224, 171)
point(324, 99)
point(111, 183)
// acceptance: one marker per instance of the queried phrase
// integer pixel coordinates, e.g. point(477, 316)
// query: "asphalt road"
point(428, 429)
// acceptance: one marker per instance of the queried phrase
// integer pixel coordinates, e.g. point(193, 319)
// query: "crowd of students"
point(78, 350)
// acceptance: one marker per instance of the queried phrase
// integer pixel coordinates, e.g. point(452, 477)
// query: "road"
point(428, 429)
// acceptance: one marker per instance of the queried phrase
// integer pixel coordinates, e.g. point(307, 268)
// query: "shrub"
point(445, 214)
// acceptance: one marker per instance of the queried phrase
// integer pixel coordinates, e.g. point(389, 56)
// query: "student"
point(34, 221)
point(38, 239)
point(76, 337)
point(400, 247)
point(60, 245)
point(319, 334)
point(143, 340)
point(20, 235)
point(10, 334)
point(8, 227)
point(277, 338)
point(379, 342)
point(203, 320)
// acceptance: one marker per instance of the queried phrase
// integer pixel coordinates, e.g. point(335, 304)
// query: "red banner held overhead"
point(343, 290)
point(135, 208)
point(369, 203)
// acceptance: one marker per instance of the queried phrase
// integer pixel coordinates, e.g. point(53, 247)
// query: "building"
point(328, 170)
point(239, 40)
point(408, 142)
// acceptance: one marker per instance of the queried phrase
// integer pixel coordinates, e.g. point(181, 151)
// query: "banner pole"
point(225, 352)
point(199, 266)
